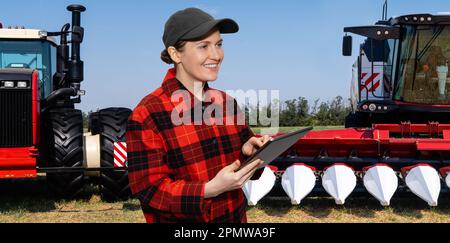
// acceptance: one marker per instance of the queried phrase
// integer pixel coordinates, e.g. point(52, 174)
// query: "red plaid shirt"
point(170, 164)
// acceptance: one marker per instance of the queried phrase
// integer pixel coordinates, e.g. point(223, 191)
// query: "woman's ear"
point(174, 54)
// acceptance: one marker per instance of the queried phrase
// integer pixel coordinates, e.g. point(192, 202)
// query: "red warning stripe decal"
point(120, 155)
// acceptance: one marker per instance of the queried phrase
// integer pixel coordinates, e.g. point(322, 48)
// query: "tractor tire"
point(111, 125)
point(63, 148)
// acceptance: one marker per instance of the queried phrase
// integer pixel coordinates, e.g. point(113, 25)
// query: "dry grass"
point(28, 201)
point(356, 210)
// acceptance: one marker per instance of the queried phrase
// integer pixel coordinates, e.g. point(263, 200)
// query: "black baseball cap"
point(193, 23)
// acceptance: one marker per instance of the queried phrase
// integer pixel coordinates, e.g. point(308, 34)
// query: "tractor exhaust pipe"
point(76, 70)
point(70, 71)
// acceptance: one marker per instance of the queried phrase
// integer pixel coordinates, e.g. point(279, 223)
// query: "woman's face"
point(201, 60)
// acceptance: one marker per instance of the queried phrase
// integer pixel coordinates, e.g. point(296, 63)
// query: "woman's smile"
point(214, 67)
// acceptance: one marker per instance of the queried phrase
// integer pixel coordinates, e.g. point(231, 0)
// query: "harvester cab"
point(401, 74)
point(40, 129)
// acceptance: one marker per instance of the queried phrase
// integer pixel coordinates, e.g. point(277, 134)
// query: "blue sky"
point(291, 46)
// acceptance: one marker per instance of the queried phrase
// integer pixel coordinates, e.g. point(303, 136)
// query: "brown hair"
point(165, 57)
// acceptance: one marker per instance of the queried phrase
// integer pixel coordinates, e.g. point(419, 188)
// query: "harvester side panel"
point(365, 147)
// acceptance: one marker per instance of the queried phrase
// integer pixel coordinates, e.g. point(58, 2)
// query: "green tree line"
point(299, 112)
point(295, 113)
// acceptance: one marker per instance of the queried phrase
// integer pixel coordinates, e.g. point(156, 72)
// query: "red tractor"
point(40, 129)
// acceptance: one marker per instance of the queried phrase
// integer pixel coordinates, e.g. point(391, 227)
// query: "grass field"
point(28, 201)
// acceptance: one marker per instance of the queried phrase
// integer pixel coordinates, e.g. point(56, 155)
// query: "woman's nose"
point(216, 53)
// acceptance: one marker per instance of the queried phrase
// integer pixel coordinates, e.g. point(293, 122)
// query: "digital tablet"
point(276, 146)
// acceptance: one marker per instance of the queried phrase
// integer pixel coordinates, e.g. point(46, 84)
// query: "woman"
point(189, 171)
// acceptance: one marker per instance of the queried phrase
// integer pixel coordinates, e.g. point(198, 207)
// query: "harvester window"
point(377, 65)
point(30, 54)
point(425, 56)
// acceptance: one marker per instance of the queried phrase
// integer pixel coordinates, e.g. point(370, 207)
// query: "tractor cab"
point(26, 49)
point(401, 71)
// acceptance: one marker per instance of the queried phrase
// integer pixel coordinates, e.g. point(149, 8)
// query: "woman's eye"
point(204, 46)
point(220, 45)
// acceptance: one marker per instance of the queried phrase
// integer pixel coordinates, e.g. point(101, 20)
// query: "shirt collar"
point(171, 84)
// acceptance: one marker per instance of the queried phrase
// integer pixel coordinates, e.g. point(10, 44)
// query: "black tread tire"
point(63, 147)
point(112, 123)
point(93, 123)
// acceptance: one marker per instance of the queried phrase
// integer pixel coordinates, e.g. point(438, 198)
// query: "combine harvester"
point(397, 137)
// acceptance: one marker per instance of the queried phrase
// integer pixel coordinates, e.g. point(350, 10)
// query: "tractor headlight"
point(372, 107)
point(8, 84)
point(22, 84)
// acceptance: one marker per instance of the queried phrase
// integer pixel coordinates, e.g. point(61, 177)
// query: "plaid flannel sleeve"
point(151, 179)
point(245, 133)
